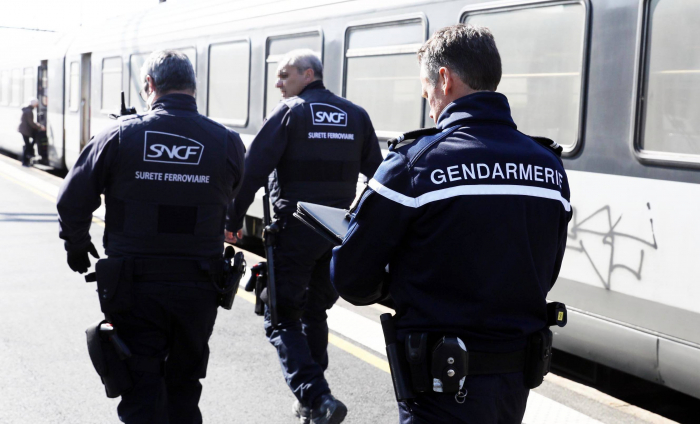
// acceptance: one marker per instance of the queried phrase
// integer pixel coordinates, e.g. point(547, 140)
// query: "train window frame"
point(575, 148)
point(239, 123)
point(128, 79)
point(31, 76)
point(16, 74)
point(382, 51)
point(297, 32)
point(5, 87)
point(107, 110)
point(649, 157)
point(69, 88)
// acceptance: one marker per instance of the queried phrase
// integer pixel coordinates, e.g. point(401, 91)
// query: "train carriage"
point(616, 82)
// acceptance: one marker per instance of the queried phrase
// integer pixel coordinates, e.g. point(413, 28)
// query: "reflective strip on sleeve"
point(468, 190)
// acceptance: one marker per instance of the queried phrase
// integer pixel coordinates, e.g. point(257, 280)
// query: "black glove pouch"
point(538, 357)
point(113, 372)
point(114, 284)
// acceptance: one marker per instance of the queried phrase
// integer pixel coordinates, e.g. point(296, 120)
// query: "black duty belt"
point(480, 363)
point(168, 270)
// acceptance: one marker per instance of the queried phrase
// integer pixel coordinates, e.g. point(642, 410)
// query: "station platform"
point(48, 377)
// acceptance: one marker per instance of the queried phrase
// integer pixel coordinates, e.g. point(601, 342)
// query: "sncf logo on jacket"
point(170, 148)
point(324, 114)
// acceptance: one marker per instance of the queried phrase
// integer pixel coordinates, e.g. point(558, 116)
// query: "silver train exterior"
point(616, 82)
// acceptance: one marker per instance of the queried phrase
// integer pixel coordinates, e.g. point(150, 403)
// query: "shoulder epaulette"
point(411, 135)
point(549, 143)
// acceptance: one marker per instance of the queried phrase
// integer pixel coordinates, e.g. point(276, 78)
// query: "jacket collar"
point(175, 101)
point(481, 106)
point(315, 85)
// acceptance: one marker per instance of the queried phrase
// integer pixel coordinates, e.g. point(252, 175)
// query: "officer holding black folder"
point(316, 143)
point(471, 218)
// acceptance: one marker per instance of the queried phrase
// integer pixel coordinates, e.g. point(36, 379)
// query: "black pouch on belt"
point(538, 357)
point(417, 356)
point(112, 369)
point(114, 284)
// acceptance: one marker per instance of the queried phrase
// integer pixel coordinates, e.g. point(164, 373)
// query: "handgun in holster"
point(234, 268)
point(257, 283)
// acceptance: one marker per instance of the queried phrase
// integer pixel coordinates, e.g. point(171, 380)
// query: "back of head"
point(303, 59)
point(469, 51)
point(170, 71)
point(34, 103)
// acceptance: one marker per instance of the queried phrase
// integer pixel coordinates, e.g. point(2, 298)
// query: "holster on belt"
point(114, 278)
point(231, 277)
point(113, 371)
point(400, 370)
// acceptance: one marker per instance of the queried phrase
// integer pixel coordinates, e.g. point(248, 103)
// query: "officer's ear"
point(309, 75)
point(444, 82)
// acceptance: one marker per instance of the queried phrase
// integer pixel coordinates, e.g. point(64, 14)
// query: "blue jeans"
point(491, 399)
point(304, 294)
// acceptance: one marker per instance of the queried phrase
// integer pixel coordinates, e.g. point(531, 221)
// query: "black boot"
point(328, 410)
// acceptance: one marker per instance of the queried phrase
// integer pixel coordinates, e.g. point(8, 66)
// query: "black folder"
point(331, 223)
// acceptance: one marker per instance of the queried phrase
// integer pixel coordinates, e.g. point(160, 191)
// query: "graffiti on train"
point(599, 238)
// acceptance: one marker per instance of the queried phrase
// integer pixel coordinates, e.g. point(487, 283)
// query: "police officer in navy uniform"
point(471, 219)
point(313, 145)
point(167, 176)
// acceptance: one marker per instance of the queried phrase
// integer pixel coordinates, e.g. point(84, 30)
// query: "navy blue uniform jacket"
point(93, 172)
point(472, 222)
point(304, 156)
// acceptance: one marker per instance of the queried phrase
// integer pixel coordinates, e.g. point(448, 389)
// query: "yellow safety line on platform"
point(332, 338)
point(40, 193)
point(337, 341)
point(28, 187)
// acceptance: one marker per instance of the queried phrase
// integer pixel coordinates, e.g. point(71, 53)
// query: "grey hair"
point(170, 70)
point(34, 102)
point(469, 51)
point(303, 59)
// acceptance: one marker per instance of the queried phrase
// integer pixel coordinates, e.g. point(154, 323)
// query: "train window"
point(542, 51)
point(16, 91)
point(111, 83)
point(392, 96)
point(672, 81)
point(136, 61)
point(29, 80)
point(229, 70)
point(277, 47)
point(74, 87)
point(5, 88)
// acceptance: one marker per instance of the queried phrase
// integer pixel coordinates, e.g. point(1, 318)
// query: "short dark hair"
point(469, 51)
point(170, 70)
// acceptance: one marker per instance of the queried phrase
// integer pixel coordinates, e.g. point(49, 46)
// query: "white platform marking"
point(542, 410)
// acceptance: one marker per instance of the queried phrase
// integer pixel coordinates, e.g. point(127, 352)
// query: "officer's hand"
point(229, 237)
point(79, 261)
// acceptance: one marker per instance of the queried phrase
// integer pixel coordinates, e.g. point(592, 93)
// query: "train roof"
point(185, 19)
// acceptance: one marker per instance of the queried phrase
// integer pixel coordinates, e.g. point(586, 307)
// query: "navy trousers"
point(304, 294)
point(491, 399)
point(172, 322)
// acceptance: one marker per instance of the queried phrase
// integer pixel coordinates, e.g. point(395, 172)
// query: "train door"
point(77, 106)
point(42, 91)
point(84, 100)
